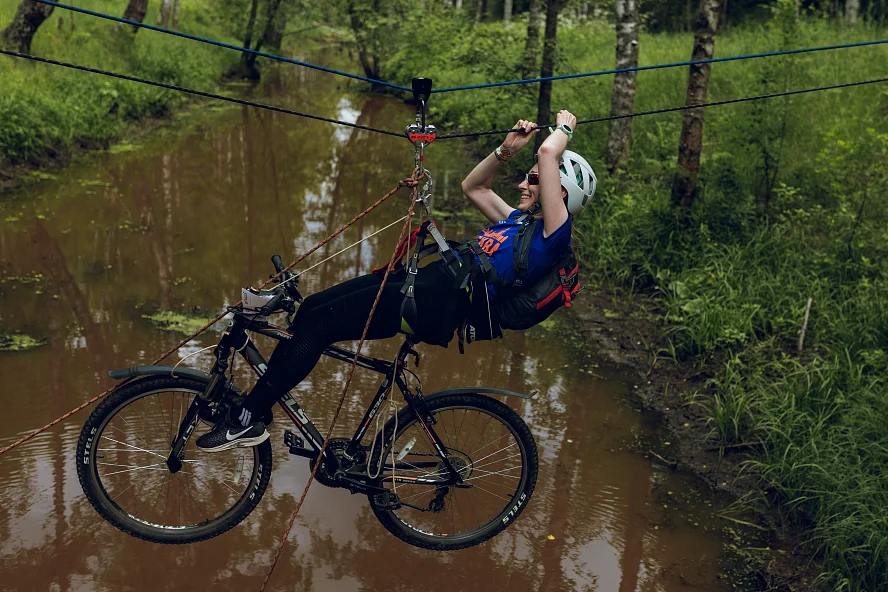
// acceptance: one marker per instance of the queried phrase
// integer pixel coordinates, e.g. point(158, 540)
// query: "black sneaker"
point(230, 434)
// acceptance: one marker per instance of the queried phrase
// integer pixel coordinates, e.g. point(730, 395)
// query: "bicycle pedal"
point(296, 445)
point(387, 501)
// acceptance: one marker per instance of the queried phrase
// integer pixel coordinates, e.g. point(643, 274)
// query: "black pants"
point(339, 313)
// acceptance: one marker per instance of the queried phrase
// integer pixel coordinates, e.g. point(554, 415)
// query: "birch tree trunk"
point(135, 11)
point(175, 14)
point(507, 13)
point(852, 9)
point(684, 184)
point(531, 45)
point(21, 29)
point(163, 17)
point(623, 98)
point(544, 105)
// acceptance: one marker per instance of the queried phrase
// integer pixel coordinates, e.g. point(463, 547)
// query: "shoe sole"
point(239, 443)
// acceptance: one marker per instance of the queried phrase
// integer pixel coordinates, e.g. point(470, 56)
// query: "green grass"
point(734, 274)
point(45, 110)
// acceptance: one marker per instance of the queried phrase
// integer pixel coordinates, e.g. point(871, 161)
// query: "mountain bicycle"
point(449, 470)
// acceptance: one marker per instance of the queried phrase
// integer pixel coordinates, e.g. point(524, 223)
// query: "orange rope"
point(411, 181)
point(348, 380)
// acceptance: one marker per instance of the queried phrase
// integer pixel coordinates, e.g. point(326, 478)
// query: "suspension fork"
point(233, 336)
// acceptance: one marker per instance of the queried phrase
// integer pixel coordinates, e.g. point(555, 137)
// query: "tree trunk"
point(507, 13)
point(21, 29)
point(366, 54)
point(544, 106)
point(135, 11)
point(623, 99)
point(684, 184)
point(248, 65)
point(481, 14)
point(533, 40)
point(276, 36)
point(163, 17)
point(175, 14)
point(852, 9)
point(267, 32)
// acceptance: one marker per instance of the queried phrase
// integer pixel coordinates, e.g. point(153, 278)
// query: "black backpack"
point(521, 306)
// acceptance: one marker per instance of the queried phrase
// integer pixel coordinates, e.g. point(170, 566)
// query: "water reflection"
point(187, 220)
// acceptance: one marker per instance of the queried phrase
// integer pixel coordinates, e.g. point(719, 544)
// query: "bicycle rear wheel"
point(486, 442)
point(121, 463)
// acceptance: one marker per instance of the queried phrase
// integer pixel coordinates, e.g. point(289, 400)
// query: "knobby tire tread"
point(97, 498)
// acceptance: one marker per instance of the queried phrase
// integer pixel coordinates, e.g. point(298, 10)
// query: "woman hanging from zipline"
point(558, 186)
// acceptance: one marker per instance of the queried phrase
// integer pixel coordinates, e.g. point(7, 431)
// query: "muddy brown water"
point(185, 219)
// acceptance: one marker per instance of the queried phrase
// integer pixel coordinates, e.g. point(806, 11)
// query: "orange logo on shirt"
point(490, 241)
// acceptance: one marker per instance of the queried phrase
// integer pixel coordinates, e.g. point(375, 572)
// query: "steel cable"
point(198, 93)
point(680, 108)
point(220, 44)
point(663, 66)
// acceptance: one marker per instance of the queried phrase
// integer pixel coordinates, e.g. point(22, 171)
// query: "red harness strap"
point(401, 250)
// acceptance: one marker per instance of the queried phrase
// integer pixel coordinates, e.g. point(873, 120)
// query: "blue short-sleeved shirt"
point(498, 242)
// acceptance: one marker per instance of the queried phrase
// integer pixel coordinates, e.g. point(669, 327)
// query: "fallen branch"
point(671, 463)
point(734, 446)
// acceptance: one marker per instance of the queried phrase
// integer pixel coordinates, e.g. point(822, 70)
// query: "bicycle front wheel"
point(486, 442)
point(121, 463)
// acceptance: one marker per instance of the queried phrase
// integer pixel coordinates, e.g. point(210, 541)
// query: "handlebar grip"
point(272, 305)
point(278, 264)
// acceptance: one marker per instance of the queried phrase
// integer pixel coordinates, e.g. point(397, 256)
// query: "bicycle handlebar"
point(288, 278)
point(278, 264)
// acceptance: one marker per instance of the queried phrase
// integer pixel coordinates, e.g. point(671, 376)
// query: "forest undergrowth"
point(793, 205)
point(47, 111)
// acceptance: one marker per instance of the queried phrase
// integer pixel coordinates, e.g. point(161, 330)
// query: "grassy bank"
point(793, 205)
point(47, 111)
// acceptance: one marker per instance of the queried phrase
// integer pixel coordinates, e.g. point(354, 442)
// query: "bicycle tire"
point(96, 492)
point(437, 405)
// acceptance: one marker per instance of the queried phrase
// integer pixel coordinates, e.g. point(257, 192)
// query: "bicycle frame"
point(236, 338)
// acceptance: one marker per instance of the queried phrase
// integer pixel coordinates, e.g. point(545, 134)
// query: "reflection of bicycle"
point(448, 471)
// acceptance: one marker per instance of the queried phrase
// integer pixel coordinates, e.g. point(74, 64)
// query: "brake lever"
point(415, 354)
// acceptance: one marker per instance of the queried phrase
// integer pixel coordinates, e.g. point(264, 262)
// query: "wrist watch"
point(502, 154)
point(565, 128)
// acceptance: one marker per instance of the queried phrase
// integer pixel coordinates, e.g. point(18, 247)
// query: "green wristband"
point(566, 129)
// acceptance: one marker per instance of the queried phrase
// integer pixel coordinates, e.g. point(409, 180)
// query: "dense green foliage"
point(46, 110)
point(794, 205)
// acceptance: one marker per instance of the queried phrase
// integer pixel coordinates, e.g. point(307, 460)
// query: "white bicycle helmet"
point(578, 178)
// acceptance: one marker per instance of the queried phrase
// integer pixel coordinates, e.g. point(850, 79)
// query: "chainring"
point(337, 446)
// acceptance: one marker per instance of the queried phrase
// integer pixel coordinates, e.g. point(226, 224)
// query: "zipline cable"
point(680, 108)
point(441, 137)
point(199, 93)
point(263, 54)
point(662, 66)
point(468, 87)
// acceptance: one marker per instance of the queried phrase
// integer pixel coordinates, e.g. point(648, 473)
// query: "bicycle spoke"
point(486, 453)
point(202, 490)
point(136, 469)
point(134, 447)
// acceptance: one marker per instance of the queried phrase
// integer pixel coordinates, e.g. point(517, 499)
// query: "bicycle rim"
point(128, 458)
point(490, 457)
